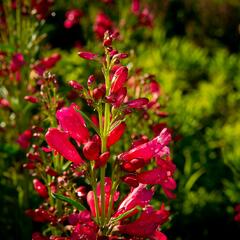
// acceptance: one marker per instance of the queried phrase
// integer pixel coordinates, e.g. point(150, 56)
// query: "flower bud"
point(75, 85)
point(91, 80)
point(131, 180)
point(40, 188)
point(119, 78)
point(102, 160)
point(91, 150)
point(87, 55)
point(50, 171)
point(137, 103)
point(116, 134)
point(31, 99)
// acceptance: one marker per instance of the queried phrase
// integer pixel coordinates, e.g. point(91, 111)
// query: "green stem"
point(94, 186)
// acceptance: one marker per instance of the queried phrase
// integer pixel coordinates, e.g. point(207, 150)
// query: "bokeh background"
point(193, 49)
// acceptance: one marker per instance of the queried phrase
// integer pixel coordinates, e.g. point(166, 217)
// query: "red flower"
point(87, 55)
point(40, 188)
point(72, 17)
point(91, 150)
point(17, 62)
point(73, 123)
point(116, 134)
point(138, 196)
point(58, 141)
point(147, 224)
point(24, 139)
point(137, 103)
point(107, 190)
point(119, 78)
point(145, 151)
point(102, 24)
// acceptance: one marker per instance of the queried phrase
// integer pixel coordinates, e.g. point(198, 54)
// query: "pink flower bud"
point(121, 55)
point(87, 55)
point(58, 141)
point(40, 188)
point(50, 172)
point(131, 180)
point(119, 78)
point(102, 160)
point(99, 92)
point(137, 103)
point(135, 6)
point(75, 85)
point(91, 150)
point(31, 99)
point(73, 123)
point(29, 165)
point(91, 80)
point(116, 134)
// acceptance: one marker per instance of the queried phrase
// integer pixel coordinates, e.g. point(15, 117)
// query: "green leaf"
point(89, 121)
point(126, 213)
point(74, 203)
point(194, 178)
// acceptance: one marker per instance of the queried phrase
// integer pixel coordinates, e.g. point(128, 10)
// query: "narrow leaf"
point(74, 203)
point(89, 121)
point(126, 213)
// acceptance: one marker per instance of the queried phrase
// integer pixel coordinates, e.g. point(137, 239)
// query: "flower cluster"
point(98, 208)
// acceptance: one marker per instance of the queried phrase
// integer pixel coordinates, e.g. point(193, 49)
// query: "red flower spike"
point(75, 85)
point(148, 150)
point(119, 78)
point(31, 99)
point(87, 55)
point(138, 196)
point(137, 103)
point(58, 141)
point(116, 134)
point(40, 188)
point(73, 123)
point(102, 160)
point(91, 150)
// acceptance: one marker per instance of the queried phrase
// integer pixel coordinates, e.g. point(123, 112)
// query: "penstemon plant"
point(85, 196)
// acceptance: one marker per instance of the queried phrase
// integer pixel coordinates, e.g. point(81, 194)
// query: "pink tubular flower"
point(40, 188)
point(102, 24)
point(116, 134)
point(17, 62)
point(116, 99)
point(137, 103)
point(108, 187)
point(138, 196)
point(147, 150)
point(72, 18)
point(24, 139)
point(73, 123)
point(31, 99)
point(135, 6)
point(49, 62)
point(119, 78)
point(58, 141)
point(75, 85)
point(91, 150)
point(147, 224)
point(87, 55)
